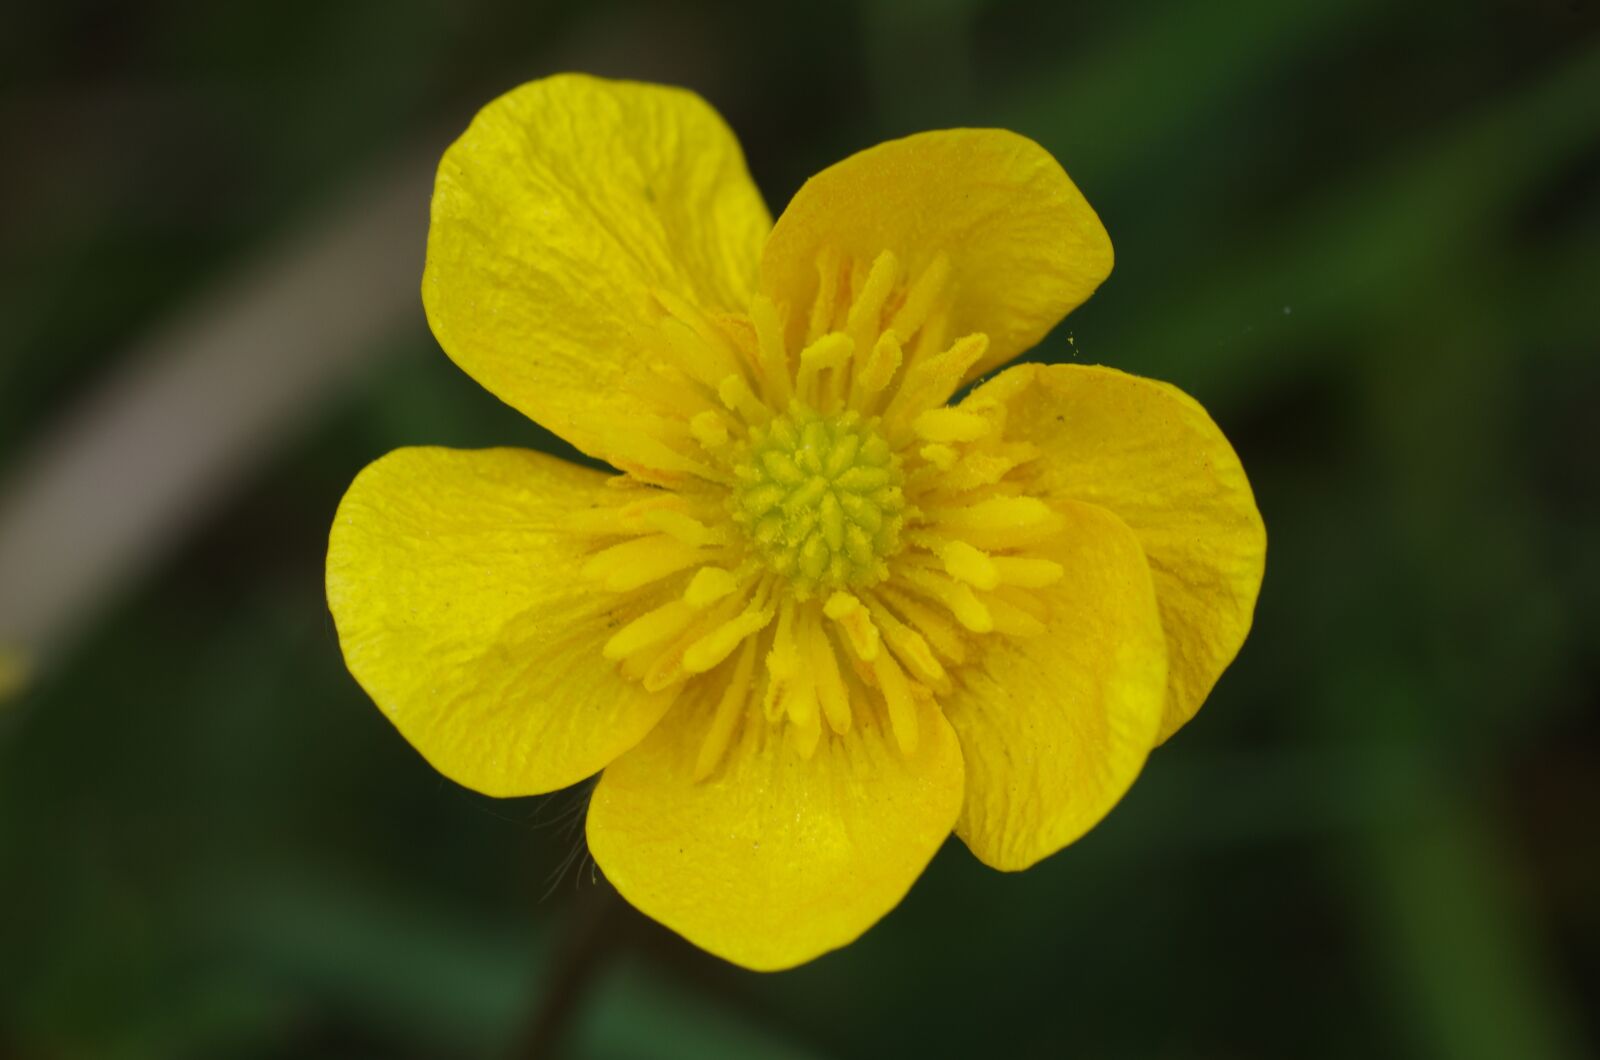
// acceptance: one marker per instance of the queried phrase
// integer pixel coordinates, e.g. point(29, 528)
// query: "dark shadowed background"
point(1365, 235)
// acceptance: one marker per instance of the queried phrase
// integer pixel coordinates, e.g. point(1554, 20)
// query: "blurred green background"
point(1365, 235)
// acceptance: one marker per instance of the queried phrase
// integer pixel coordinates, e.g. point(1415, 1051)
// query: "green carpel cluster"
point(821, 500)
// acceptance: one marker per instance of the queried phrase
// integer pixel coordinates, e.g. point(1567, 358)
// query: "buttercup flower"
point(817, 618)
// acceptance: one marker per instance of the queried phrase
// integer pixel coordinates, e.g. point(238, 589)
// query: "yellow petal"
point(1148, 452)
point(450, 582)
point(558, 212)
point(1054, 728)
point(774, 859)
point(1024, 248)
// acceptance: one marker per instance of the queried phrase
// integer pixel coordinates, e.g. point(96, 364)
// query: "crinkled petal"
point(1055, 727)
point(558, 212)
point(450, 581)
point(1023, 245)
point(773, 859)
point(1150, 453)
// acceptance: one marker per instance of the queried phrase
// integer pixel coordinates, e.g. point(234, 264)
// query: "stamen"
point(774, 350)
point(665, 386)
point(949, 425)
point(643, 453)
point(800, 697)
point(970, 565)
point(717, 645)
point(831, 690)
point(681, 527)
point(639, 561)
point(823, 306)
point(882, 363)
point(703, 361)
point(805, 734)
point(735, 696)
point(648, 629)
point(709, 429)
point(1000, 522)
point(1011, 619)
point(865, 318)
point(984, 468)
point(737, 395)
point(929, 382)
point(934, 335)
point(908, 644)
point(830, 351)
point(782, 661)
point(902, 706)
point(709, 585)
point(938, 631)
point(847, 611)
point(957, 596)
point(1027, 573)
point(940, 456)
point(921, 297)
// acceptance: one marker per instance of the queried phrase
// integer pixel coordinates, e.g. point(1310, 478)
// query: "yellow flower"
point(817, 619)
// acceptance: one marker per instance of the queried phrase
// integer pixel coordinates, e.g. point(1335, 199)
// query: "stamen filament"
point(831, 690)
point(902, 706)
point(922, 297)
point(774, 350)
point(735, 695)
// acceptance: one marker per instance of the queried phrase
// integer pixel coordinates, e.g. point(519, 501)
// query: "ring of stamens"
point(835, 595)
point(821, 499)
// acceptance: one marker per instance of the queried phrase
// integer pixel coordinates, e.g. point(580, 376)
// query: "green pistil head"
point(820, 498)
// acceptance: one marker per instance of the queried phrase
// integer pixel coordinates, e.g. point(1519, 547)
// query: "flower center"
point(820, 499)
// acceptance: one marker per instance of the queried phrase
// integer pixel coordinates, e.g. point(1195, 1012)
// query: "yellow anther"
point(922, 296)
point(800, 697)
point(709, 585)
point(1027, 573)
point(853, 618)
point(937, 629)
point(639, 561)
point(939, 455)
point(866, 313)
point(908, 644)
point(717, 645)
point(949, 425)
point(804, 735)
point(1013, 620)
point(1000, 515)
point(830, 351)
point(970, 565)
point(709, 429)
point(650, 628)
point(881, 364)
point(736, 394)
point(679, 526)
point(957, 596)
point(831, 691)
